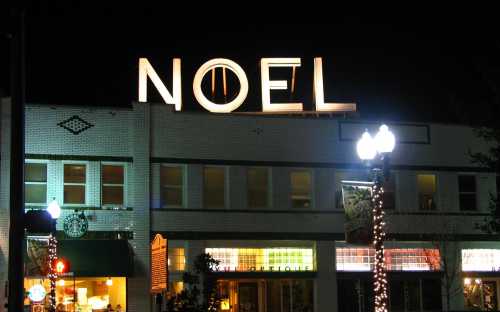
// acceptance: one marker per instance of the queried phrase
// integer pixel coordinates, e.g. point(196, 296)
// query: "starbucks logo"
point(76, 225)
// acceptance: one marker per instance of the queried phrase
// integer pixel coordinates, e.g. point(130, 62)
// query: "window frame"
point(436, 191)
point(311, 189)
point(268, 189)
point(225, 169)
point(394, 176)
point(46, 163)
point(476, 203)
point(86, 184)
point(182, 186)
point(173, 265)
point(124, 185)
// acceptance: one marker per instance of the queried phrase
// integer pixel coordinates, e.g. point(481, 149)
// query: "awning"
point(92, 258)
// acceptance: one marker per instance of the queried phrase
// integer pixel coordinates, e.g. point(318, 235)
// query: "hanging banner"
point(37, 260)
point(357, 200)
point(159, 264)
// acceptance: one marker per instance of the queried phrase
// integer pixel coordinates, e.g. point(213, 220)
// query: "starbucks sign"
point(76, 225)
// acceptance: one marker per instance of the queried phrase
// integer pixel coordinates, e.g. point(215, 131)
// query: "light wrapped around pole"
point(379, 270)
point(52, 275)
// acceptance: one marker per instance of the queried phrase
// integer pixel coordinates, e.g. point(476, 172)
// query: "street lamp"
point(55, 212)
point(368, 148)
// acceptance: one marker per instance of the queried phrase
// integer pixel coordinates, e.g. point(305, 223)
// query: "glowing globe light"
point(384, 140)
point(37, 293)
point(60, 267)
point(366, 147)
point(109, 282)
point(54, 209)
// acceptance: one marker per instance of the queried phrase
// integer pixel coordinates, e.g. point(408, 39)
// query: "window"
point(301, 189)
point(389, 197)
point(172, 186)
point(264, 259)
point(35, 181)
point(258, 185)
point(176, 259)
point(474, 260)
point(113, 181)
point(426, 191)
point(74, 183)
point(397, 259)
point(467, 192)
point(214, 181)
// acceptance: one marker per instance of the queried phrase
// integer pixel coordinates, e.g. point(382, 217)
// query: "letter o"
point(211, 106)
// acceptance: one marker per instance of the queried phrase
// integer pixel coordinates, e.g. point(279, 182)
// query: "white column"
point(138, 286)
point(325, 285)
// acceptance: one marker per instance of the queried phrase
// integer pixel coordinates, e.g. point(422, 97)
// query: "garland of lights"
point(379, 270)
point(52, 275)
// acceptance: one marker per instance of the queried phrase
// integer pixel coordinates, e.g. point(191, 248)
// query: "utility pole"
point(16, 228)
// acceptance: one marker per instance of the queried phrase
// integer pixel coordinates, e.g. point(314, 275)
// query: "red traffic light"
point(61, 266)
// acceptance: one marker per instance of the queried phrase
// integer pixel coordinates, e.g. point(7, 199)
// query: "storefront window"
point(87, 294)
point(405, 294)
point(176, 259)
point(485, 260)
point(398, 259)
point(263, 259)
point(271, 295)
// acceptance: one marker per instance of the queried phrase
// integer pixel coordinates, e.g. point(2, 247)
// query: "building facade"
point(261, 194)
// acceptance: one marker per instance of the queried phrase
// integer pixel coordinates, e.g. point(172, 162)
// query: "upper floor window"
point(426, 184)
point(172, 186)
point(389, 197)
point(35, 180)
point(113, 182)
point(258, 187)
point(214, 182)
point(467, 192)
point(75, 177)
point(301, 182)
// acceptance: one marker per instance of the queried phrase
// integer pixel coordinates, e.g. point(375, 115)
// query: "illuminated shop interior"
point(263, 259)
point(481, 280)
point(280, 295)
point(397, 259)
point(84, 294)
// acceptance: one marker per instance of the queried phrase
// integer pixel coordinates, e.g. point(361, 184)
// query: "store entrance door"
point(248, 297)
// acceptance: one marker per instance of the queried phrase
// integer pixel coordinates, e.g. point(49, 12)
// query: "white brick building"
point(261, 194)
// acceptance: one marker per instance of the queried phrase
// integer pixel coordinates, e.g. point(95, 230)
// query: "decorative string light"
point(379, 270)
point(52, 275)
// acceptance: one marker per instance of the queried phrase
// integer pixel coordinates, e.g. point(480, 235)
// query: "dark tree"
point(487, 127)
point(194, 298)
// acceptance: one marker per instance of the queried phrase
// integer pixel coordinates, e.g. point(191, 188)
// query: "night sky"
point(428, 67)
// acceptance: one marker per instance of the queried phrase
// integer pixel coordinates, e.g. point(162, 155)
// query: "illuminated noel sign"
point(174, 97)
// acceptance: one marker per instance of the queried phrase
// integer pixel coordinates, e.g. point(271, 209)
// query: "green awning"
point(92, 258)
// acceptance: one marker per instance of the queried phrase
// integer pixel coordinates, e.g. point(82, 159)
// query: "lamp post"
point(55, 212)
point(368, 149)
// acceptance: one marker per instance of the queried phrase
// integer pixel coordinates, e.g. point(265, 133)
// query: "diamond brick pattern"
point(75, 125)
